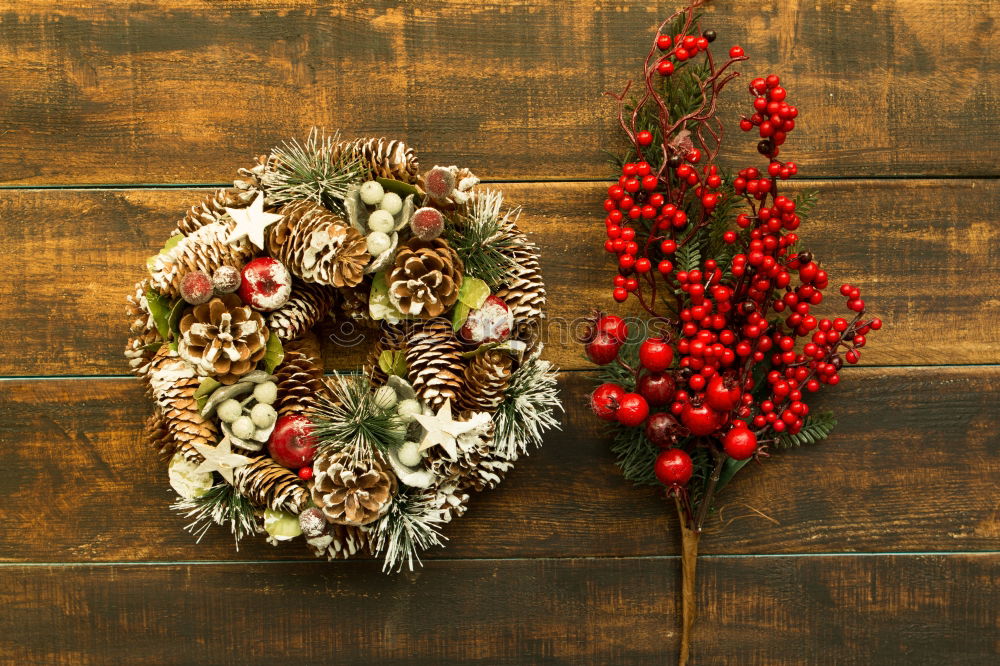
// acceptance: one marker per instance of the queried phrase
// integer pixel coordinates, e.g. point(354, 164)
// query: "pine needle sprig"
point(815, 428)
point(528, 410)
point(412, 525)
point(351, 421)
point(635, 455)
point(221, 505)
point(485, 238)
point(316, 171)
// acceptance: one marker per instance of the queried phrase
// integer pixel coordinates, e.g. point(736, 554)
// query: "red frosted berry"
point(700, 420)
point(657, 388)
point(655, 354)
point(439, 182)
point(673, 467)
point(662, 429)
point(632, 410)
point(606, 399)
point(197, 288)
point(740, 443)
point(603, 349)
point(427, 223)
point(722, 394)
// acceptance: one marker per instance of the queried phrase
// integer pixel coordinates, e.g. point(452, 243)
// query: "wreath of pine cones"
point(225, 332)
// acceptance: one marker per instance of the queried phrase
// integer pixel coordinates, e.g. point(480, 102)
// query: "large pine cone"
point(158, 435)
point(524, 291)
point(425, 278)
point(486, 379)
point(300, 379)
point(383, 158)
point(142, 334)
point(205, 249)
point(212, 208)
point(318, 246)
point(351, 493)
point(307, 305)
point(173, 383)
point(434, 359)
point(223, 338)
point(268, 484)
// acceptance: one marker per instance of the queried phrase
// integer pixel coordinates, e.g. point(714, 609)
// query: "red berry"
point(663, 42)
point(656, 388)
point(665, 68)
point(614, 326)
point(196, 288)
point(292, 443)
point(655, 354)
point(603, 349)
point(736, 52)
point(632, 410)
point(739, 443)
point(701, 420)
point(606, 399)
point(673, 467)
point(305, 473)
point(723, 394)
point(645, 137)
point(266, 284)
point(662, 429)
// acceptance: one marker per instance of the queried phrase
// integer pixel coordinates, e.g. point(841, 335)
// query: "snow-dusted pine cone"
point(474, 465)
point(486, 379)
point(425, 278)
point(143, 338)
point(300, 379)
point(308, 305)
point(435, 365)
point(205, 249)
point(267, 484)
point(173, 383)
point(351, 493)
point(383, 158)
point(212, 209)
point(524, 291)
point(223, 338)
point(318, 246)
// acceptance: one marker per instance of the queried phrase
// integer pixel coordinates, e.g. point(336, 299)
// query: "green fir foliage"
point(351, 420)
point(815, 428)
point(222, 505)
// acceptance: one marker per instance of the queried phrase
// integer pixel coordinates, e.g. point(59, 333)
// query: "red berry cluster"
point(748, 307)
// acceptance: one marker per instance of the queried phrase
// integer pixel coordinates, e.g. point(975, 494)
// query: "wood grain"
point(912, 245)
point(772, 610)
point(181, 91)
point(914, 470)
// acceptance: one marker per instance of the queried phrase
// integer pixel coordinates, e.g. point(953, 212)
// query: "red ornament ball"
point(606, 399)
point(673, 467)
point(723, 394)
point(614, 326)
point(740, 443)
point(196, 288)
point(632, 410)
point(656, 355)
point(292, 443)
point(490, 323)
point(265, 284)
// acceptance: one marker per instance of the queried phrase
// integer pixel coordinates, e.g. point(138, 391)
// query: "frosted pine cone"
point(205, 249)
point(300, 379)
point(524, 290)
point(268, 484)
point(223, 338)
point(352, 493)
point(173, 383)
point(318, 246)
point(425, 278)
point(486, 379)
point(435, 365)
point(308, 305)
point(383, 158)
point(212, 209)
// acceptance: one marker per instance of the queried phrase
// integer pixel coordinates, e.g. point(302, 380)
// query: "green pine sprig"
point(316, 171)
point(528, 410)
point(221, 505)
point(815, 428)
point(411, 526)
point(485, 239)
point(351, 421)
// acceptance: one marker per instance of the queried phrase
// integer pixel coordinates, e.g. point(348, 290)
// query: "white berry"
point(409, 454)
point(381, 220)
point(407, 409)
point(263, 415)
point(378, 243)
point(265, 392)
point(244, 428)
point(385, 397)
point(371, 192)
point(391, 203)
point(229, 410)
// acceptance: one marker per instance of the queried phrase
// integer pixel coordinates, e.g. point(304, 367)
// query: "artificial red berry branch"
point(719, 371)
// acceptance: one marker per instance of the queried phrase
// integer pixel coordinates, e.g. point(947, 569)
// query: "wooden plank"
point(913, 470)
point(772, 610)
point(912, 245)
point(187, 90)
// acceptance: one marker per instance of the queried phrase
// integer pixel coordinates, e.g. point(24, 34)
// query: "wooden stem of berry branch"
point(689, 559)
point(713, 481)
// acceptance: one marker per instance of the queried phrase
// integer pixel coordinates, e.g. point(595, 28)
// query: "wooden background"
point(882, 544)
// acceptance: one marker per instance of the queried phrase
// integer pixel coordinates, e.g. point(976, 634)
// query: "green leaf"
point(480, 349)
point(174, 321)
point(459, 315)
point(473, 292)
point(399, 187)
point(159, 308)
point(379, 304)
point(204, 390)
point(393, 362)
point(275, 352)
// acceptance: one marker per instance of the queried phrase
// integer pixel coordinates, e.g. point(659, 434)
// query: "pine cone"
point(475, 466)
point(354, 304)
point(173, 383)
point(250, 180)
point(205, 249)
point(268, 484)
point(308, 345)
point(524, 291)
point(143, 336)
point(318, 246)
point(299, 380)
point(425, 278)
point(351, 493)
point(383, 158)
point(308, 304)
point(212, 209)
point(486, 380)
point(158, 435)
point(223, 338)
point(434, 358)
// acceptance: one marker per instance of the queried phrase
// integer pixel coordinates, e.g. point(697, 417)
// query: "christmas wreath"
point(222, 332)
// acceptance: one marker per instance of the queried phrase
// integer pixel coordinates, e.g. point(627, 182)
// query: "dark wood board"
point(906, 610)
point(913, 246)
point(912, 466)
point(183, 91)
